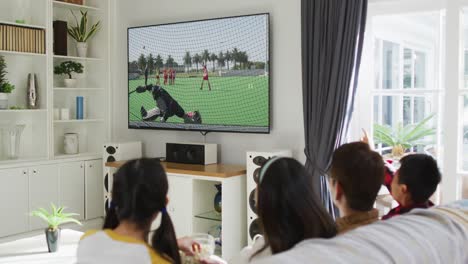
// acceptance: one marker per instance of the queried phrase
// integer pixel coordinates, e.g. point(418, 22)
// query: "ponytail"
point(164, 240)
point(111, 221)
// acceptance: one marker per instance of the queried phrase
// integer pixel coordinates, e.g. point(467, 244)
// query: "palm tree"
point(228, 57)
point(205, 56)
point(235, 56)
point(142, 62)
point(169, 61)
point(158, 62)
point(187, 61)
point(196, 59)
point(221, 59)
point(213, 58)
point(150, 60)
point(244, 59)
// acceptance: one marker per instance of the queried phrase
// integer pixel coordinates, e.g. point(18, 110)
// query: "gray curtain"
point(332, 39)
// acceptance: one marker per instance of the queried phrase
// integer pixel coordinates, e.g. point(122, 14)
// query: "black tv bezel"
point(206, 130)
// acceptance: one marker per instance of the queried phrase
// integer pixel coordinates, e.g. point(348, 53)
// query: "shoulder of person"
point(89, 233)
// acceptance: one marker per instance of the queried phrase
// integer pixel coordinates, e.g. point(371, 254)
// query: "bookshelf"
point(42, 139)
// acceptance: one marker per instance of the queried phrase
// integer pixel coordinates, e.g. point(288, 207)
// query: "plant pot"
point(70, 83)
point(53, 239)
point(82, 49)
point(3, 101)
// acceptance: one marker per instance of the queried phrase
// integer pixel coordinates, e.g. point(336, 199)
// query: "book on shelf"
point(22, 39)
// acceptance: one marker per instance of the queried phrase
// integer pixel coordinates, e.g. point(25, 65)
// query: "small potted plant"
point(81, 34)
point(401, 138)
point(67, 68)
point(54, 219)
point(5, 86)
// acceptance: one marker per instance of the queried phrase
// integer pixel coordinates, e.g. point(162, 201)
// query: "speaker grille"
point(110, 150)
point(254, 228)
point(110, 159)
point(253, 201)
point(259, 160)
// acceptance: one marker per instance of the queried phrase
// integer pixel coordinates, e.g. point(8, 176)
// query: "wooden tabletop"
point(212, 170)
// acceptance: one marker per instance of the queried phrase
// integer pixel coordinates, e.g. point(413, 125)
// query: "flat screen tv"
point(206, 75)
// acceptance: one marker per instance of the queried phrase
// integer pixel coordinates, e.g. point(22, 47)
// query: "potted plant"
point(54, 219)
point(67, 68)
point(5, 86)
point(402, 137)
point(81, 34)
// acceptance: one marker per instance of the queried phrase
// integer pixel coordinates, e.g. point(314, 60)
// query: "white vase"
point(3, 101)
point(70, 143)
point(70, 83)
point(82, 49)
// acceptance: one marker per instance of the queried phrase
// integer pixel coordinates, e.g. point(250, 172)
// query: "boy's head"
point(416, 179)
point(356, 173)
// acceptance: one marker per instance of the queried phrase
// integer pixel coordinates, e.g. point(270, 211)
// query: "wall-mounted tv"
point(206, 75)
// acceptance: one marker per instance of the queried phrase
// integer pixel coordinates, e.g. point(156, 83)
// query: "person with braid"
point(139, 195)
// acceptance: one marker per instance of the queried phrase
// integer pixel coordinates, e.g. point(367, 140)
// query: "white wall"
point(286, 92)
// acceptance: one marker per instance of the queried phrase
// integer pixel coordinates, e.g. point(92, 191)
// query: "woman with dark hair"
point(288, 210)
point(139, 195)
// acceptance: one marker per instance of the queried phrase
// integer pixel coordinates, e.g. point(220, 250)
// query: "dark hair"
point(289, 211)
point(420, 174)
point(139, 191)
point(360, 172)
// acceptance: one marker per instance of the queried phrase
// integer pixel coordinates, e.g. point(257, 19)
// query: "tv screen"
point(207, 75)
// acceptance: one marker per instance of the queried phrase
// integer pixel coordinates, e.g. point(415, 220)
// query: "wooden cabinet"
point(43, 190)
point(94, 206)
point(14, 201)
point(72, 187)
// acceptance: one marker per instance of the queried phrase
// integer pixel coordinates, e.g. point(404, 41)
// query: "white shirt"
point(107, 246)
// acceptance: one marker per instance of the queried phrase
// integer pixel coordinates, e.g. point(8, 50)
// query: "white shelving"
point(42, 138)
point(21, 25)
point(76, 58)
point(77, 121)
point(6, 52)
point(58, 4)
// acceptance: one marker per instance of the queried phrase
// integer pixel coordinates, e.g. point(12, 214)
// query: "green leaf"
point(56, 217)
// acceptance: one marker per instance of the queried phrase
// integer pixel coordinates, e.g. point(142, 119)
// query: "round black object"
point(111, 150)
point(256, 175)
point(254, 228)
point(106, 182)
point(110, 159)
point(259, 160)
point(253, 201)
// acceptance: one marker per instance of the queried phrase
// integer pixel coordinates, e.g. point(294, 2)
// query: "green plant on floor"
point(80, 31)
point(402, 137)
point(5, 86)
point(56, 217)
point(68, 67)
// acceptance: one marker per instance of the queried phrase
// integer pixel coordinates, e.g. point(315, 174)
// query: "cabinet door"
point(180, 204)
point(72, 187)
point(94, 203)
point(43, 190)
point(14, 201)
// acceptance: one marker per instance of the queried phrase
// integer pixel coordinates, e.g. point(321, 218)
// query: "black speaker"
point(201, 154)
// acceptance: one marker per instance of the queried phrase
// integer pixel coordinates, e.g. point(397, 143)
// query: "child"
point(165, 75)
point(414, 182)
point(205, 77)
point(355, 177)
point(288, 210)
point(158, 73)
point(139, 195)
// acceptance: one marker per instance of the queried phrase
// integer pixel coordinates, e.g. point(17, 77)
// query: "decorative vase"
point(3, 101)
point(217, 199)
point(12, 140)
point(70, 143)
point(70, 83)
point(53, 239)
point(32, 99)
point(82, 49)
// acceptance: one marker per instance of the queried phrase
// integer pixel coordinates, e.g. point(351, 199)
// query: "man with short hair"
point(356, 176)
